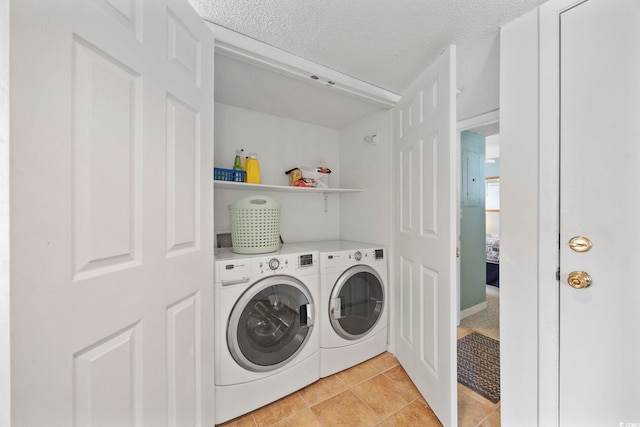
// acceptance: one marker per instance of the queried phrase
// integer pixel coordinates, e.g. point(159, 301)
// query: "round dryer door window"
point(270, 323)
point(356, 302)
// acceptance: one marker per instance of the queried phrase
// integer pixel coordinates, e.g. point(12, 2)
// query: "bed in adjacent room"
point(493, 260)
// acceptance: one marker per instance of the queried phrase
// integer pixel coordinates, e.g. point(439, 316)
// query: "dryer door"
point(356, 302)
point(270, 323)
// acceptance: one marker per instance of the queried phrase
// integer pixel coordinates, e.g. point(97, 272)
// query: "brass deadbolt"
point(579, 280)
point(580, 244)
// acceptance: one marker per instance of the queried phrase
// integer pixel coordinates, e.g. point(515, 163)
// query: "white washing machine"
point(266, 341)
point(352, 314)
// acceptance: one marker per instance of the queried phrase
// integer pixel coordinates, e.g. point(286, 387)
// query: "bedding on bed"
point(493, 249)
point(493, 260)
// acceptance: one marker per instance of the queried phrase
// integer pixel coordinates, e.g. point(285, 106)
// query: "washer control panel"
point(232, 269)
point(272, 265)
point(285, 264)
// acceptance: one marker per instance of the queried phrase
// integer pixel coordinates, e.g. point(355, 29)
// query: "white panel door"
point(600, 154)
point(111, 214)
point(425, 186)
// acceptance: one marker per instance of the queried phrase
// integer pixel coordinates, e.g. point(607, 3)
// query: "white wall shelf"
point(282, 188)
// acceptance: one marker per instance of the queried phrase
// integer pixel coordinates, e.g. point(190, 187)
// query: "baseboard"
point(473, 310)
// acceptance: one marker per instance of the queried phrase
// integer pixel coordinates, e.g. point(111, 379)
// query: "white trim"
point(5, 278)
point(238, 46)
point(519, 220)
point(469, 311)
point(479, 120)
point(391, 253)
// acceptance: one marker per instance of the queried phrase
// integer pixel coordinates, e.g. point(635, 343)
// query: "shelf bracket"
point(326, 202)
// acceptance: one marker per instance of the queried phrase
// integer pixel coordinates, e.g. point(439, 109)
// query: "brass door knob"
point(579, 280)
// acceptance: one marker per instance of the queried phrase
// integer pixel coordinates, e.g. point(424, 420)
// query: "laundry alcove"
point(293, 113)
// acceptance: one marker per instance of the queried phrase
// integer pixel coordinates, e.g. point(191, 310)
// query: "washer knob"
point(274, 263)
point(358, 255)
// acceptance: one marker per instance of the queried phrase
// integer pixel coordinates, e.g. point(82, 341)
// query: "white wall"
point(281, 144)
point(519, 215)
point(5, 369)
point(366, 216)
point(483, 94)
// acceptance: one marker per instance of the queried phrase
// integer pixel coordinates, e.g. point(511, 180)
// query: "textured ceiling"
point(384, 42)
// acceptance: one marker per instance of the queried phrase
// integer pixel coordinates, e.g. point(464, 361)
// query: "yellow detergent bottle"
point(253, 169)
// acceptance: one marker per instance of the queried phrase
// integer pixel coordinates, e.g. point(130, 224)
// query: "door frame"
point(5, 332)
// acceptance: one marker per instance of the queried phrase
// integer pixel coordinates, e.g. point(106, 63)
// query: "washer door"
point(356, 302)
point(270, 323)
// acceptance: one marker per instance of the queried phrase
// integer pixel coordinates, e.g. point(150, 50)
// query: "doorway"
point(478, 267)
point(480, 229)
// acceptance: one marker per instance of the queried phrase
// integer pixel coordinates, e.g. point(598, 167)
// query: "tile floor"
point(377, 392)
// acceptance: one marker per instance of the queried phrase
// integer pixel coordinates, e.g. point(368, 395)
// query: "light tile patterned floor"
point(377, 392)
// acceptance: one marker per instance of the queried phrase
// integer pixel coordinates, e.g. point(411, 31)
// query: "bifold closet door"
point(425, 184)
point(111, 213)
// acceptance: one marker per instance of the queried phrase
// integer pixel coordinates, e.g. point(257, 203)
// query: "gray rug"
point(479, 365)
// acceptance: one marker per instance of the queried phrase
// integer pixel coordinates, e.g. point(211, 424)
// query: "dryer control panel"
point(343, 259)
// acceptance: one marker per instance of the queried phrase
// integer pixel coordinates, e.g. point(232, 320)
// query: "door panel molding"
point(107, 379)
point(107, 163)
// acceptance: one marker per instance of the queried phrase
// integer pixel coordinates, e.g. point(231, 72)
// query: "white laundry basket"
point(255, 225)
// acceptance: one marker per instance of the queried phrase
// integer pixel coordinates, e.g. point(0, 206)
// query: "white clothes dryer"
point(352, 314)
point(266, 342)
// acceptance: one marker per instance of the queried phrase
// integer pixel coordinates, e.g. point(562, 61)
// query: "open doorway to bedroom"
point(479, 277)
point(480, 228)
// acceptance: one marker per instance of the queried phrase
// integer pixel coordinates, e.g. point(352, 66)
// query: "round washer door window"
point(356, 302)
point(270, 323)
